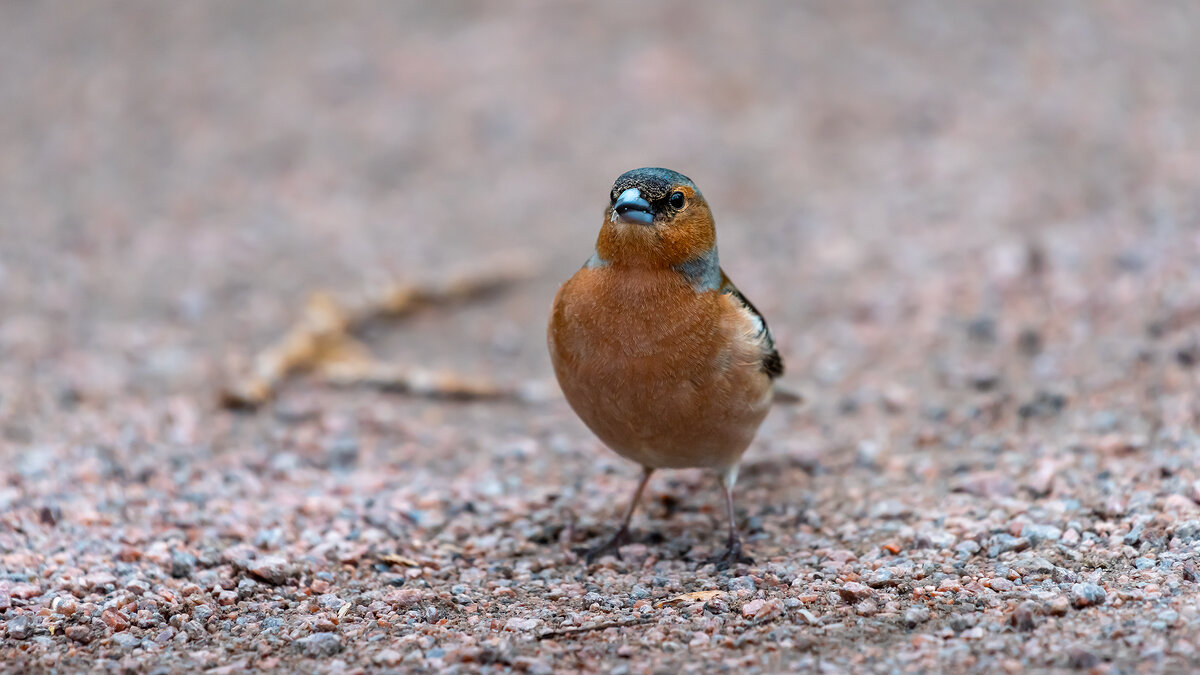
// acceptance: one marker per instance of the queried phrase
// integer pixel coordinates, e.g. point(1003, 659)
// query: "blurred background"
point(176, 177)
point(973, 227)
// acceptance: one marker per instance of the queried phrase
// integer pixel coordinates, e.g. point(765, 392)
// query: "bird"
point(656, 350)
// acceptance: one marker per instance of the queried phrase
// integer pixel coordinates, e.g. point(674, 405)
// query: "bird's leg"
point(613, 545)
point(733, 550)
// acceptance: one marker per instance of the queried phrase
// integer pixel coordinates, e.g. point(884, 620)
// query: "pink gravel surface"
point(973, 227)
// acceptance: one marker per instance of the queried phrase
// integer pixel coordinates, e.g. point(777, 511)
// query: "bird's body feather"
point(656, 350)
point(665, 376)
point(772, 362)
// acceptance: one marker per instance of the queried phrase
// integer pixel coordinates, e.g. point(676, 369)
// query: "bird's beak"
point(631, 208)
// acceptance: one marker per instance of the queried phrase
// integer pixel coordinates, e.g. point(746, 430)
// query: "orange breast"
point(665, 376)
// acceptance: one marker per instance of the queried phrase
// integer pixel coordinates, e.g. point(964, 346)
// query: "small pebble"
point(320, 644)
point(388, 657)
point(272, 569)
point(741, 583)
point(24, 591)
point(519, 624)
point(1087, 595)
point(1039, 533)
point(1000, 585)
point(182, 564)
point(1003, 543)
point(866, 608)
point(1023, 616)
point(1082, 658)
point(852, 591)
point(80, 634)
point(115, 620)
point(880, 578)
point(968, 547)
point(126, 640)
point(64, 605)
point(20, 627)
point(1058, 605)
point(915, 616)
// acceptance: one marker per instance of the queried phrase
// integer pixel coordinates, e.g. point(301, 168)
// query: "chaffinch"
point(656, 350)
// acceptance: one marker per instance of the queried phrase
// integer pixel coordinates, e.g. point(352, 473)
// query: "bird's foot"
point(612, 545)
point(731, 556)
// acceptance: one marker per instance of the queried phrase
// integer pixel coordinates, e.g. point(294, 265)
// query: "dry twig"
point(419, 382)
point(321, 340)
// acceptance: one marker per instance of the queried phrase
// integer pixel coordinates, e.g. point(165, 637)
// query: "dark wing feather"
point(772, 362)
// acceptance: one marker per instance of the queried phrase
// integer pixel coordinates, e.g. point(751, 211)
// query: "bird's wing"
point(772, 363)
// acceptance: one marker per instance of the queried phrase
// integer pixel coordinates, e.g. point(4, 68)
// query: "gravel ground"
point(973, 226)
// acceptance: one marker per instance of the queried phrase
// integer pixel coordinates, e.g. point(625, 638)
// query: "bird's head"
point(657, 218)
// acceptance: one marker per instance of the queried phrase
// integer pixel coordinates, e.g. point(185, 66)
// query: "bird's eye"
point(677, 200)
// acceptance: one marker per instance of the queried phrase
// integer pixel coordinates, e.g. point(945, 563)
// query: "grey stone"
point(1088, 594)
point(916, 616)
point(320, 644)
point(20, 627)
point(1003, 543)
point(182, 564)
point(1039, 533)
point(880, 578)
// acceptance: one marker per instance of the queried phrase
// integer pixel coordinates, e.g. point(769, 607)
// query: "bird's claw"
point(732, 555)
point(611, 545)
